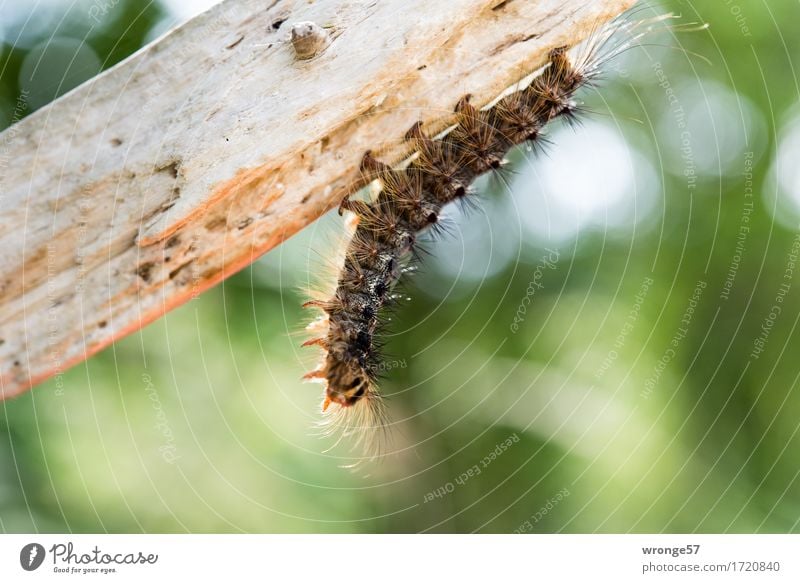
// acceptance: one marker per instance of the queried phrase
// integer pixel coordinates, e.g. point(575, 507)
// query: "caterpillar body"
point(409, 202)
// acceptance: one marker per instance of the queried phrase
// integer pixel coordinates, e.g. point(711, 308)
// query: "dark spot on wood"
point(216, 223)
point(144, 270)
point(177, 270)
point(2, 341)
point(209, 273)
point(16, 363)
point(422, 67)
point(324, 143)
point(305, 199)
point(102, 324)
point(236, 42)
point(170, 167)
point(168, 204)
point(244, 223)
point(172, 241)
point(276, 24)
point(116, 142)
point(501, 5)
point(512, 41)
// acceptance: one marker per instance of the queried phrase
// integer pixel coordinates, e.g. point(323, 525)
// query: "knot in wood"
point(309, 39)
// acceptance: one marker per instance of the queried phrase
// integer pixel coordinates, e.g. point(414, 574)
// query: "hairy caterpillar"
point(410, 201)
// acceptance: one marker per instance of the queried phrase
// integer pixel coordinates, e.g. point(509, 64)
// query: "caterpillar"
point(409, 203)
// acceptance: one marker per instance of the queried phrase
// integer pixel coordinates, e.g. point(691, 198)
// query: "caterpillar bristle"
point(573, 115)
point(407, 202)
point(321, 342)
point(365, 423)
point(314, 375)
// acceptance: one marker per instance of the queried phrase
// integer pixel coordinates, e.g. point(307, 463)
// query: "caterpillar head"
point(347, 383)
point(353, 407)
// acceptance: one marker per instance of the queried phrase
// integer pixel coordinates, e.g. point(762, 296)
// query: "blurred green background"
point(620, 314)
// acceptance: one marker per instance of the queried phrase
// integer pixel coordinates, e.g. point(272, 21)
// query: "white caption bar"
point(406, 558)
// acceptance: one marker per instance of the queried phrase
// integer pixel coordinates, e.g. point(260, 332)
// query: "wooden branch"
point(181, 165)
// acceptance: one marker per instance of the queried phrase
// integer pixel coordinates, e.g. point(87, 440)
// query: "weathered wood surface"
point(181, 165)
